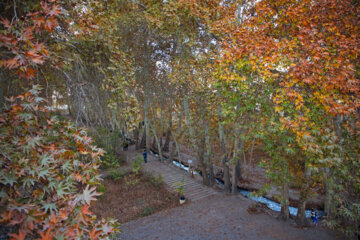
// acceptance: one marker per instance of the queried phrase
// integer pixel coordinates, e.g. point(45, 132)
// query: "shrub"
point(116, 174)
point(102, 188)
point(48, 174)
point(147, 211)
point(111, 142)
point(157, 181)
point(136, 165)
point(180, 187)
point(110, 160)
point(131, 180)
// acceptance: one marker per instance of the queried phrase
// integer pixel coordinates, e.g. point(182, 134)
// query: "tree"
point(45, 163)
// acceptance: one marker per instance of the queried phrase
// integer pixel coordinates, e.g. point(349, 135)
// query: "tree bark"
point(224, 160)
point(168, 131)
point(143, 140)
point(301, 217)
point(235, 160)
point(172, 152)
point(157, 141)
point(147, 128)
point(201, 160)
point(209, 164)
point(167, 140)
point(136, 136)
point(285, 214)
point(251, 151)
point(153, 144)
point(328, 193)
point(201, 157)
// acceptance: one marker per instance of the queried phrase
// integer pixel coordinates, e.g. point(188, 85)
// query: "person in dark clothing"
point(126, 145)
point(314, 218)
point(145, 156)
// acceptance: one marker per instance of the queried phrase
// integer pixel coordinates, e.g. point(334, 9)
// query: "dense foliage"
point(49, 174)
point(219, 77)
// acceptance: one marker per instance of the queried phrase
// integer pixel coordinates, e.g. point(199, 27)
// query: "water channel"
point(269, 203)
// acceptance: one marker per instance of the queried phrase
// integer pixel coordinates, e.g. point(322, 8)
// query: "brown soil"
point(257, 208)
point(132, 197)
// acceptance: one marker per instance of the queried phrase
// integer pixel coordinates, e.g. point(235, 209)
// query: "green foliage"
point(147, 211)
point(136, 165)
point(48, 172)
point(131, 180)
point(117, 174)
point(112, 142)
point(155, 181)
point(110, 160)
point(180, 187)
point(102, 188)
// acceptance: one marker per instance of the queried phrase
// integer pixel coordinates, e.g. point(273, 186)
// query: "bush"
point(157, 181)
point(111, 142)
point(180, 187)
point(102, 188)
point(136, 165)
point(131, 180)
point(110, 160)
point(147, 211)
point(116, 174)
point(48, 174)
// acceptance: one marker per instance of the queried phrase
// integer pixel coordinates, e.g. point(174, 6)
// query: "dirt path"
point(218, 216)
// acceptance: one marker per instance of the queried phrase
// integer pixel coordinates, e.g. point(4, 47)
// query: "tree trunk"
point(211, 174)
point(147, 128)
point(172, 152)
point(224, 160)
point(209, 164)
point(328, 193)
point(236, 160)
point(251, 151)
point(301, 217)
point(175, 147)
point(136, 136)
point(227, 185)
point(167, 140)
point(143, 140)
point(285, 214)
point(168, 131)
point(239, 165)
point(153, 145)
point(156, 138)
point(201, 157)
point(203, 164)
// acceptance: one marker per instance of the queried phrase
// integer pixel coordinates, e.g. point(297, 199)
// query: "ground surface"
point(218, 217)
point(132, 197)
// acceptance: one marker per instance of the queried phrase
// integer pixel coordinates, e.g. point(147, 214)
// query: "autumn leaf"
point(6, 22)
point(47, 235)
point(89, 194)
point(94, 234)
point(30, 73)
point(20, 236)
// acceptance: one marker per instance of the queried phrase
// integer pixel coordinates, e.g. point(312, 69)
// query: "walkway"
point(193, 188)
point(219, 217)
point(210, 215)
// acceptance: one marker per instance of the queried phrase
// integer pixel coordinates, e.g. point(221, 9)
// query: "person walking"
point(314, 218)
point(145, 156)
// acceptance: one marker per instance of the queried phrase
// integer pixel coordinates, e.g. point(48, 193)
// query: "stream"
point(269, 203)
